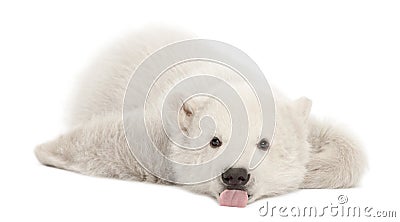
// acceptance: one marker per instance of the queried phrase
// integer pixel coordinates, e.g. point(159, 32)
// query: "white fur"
point(305, 153)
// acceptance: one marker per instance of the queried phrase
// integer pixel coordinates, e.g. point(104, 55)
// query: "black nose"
point(235, 177)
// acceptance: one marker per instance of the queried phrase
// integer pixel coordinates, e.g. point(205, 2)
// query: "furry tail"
point(336, 160)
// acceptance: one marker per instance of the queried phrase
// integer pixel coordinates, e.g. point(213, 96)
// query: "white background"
point(344, 55)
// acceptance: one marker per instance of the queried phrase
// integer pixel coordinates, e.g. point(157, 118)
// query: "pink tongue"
point(233, 198)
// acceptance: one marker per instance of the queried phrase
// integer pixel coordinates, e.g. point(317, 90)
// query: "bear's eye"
point(263, 144)
point(215, 142)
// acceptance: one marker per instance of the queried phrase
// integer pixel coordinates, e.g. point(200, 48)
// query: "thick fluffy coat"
point(305, 153)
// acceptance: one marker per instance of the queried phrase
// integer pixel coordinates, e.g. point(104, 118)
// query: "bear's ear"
point(303, 107)
point(188, 109)
point(189, 113)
